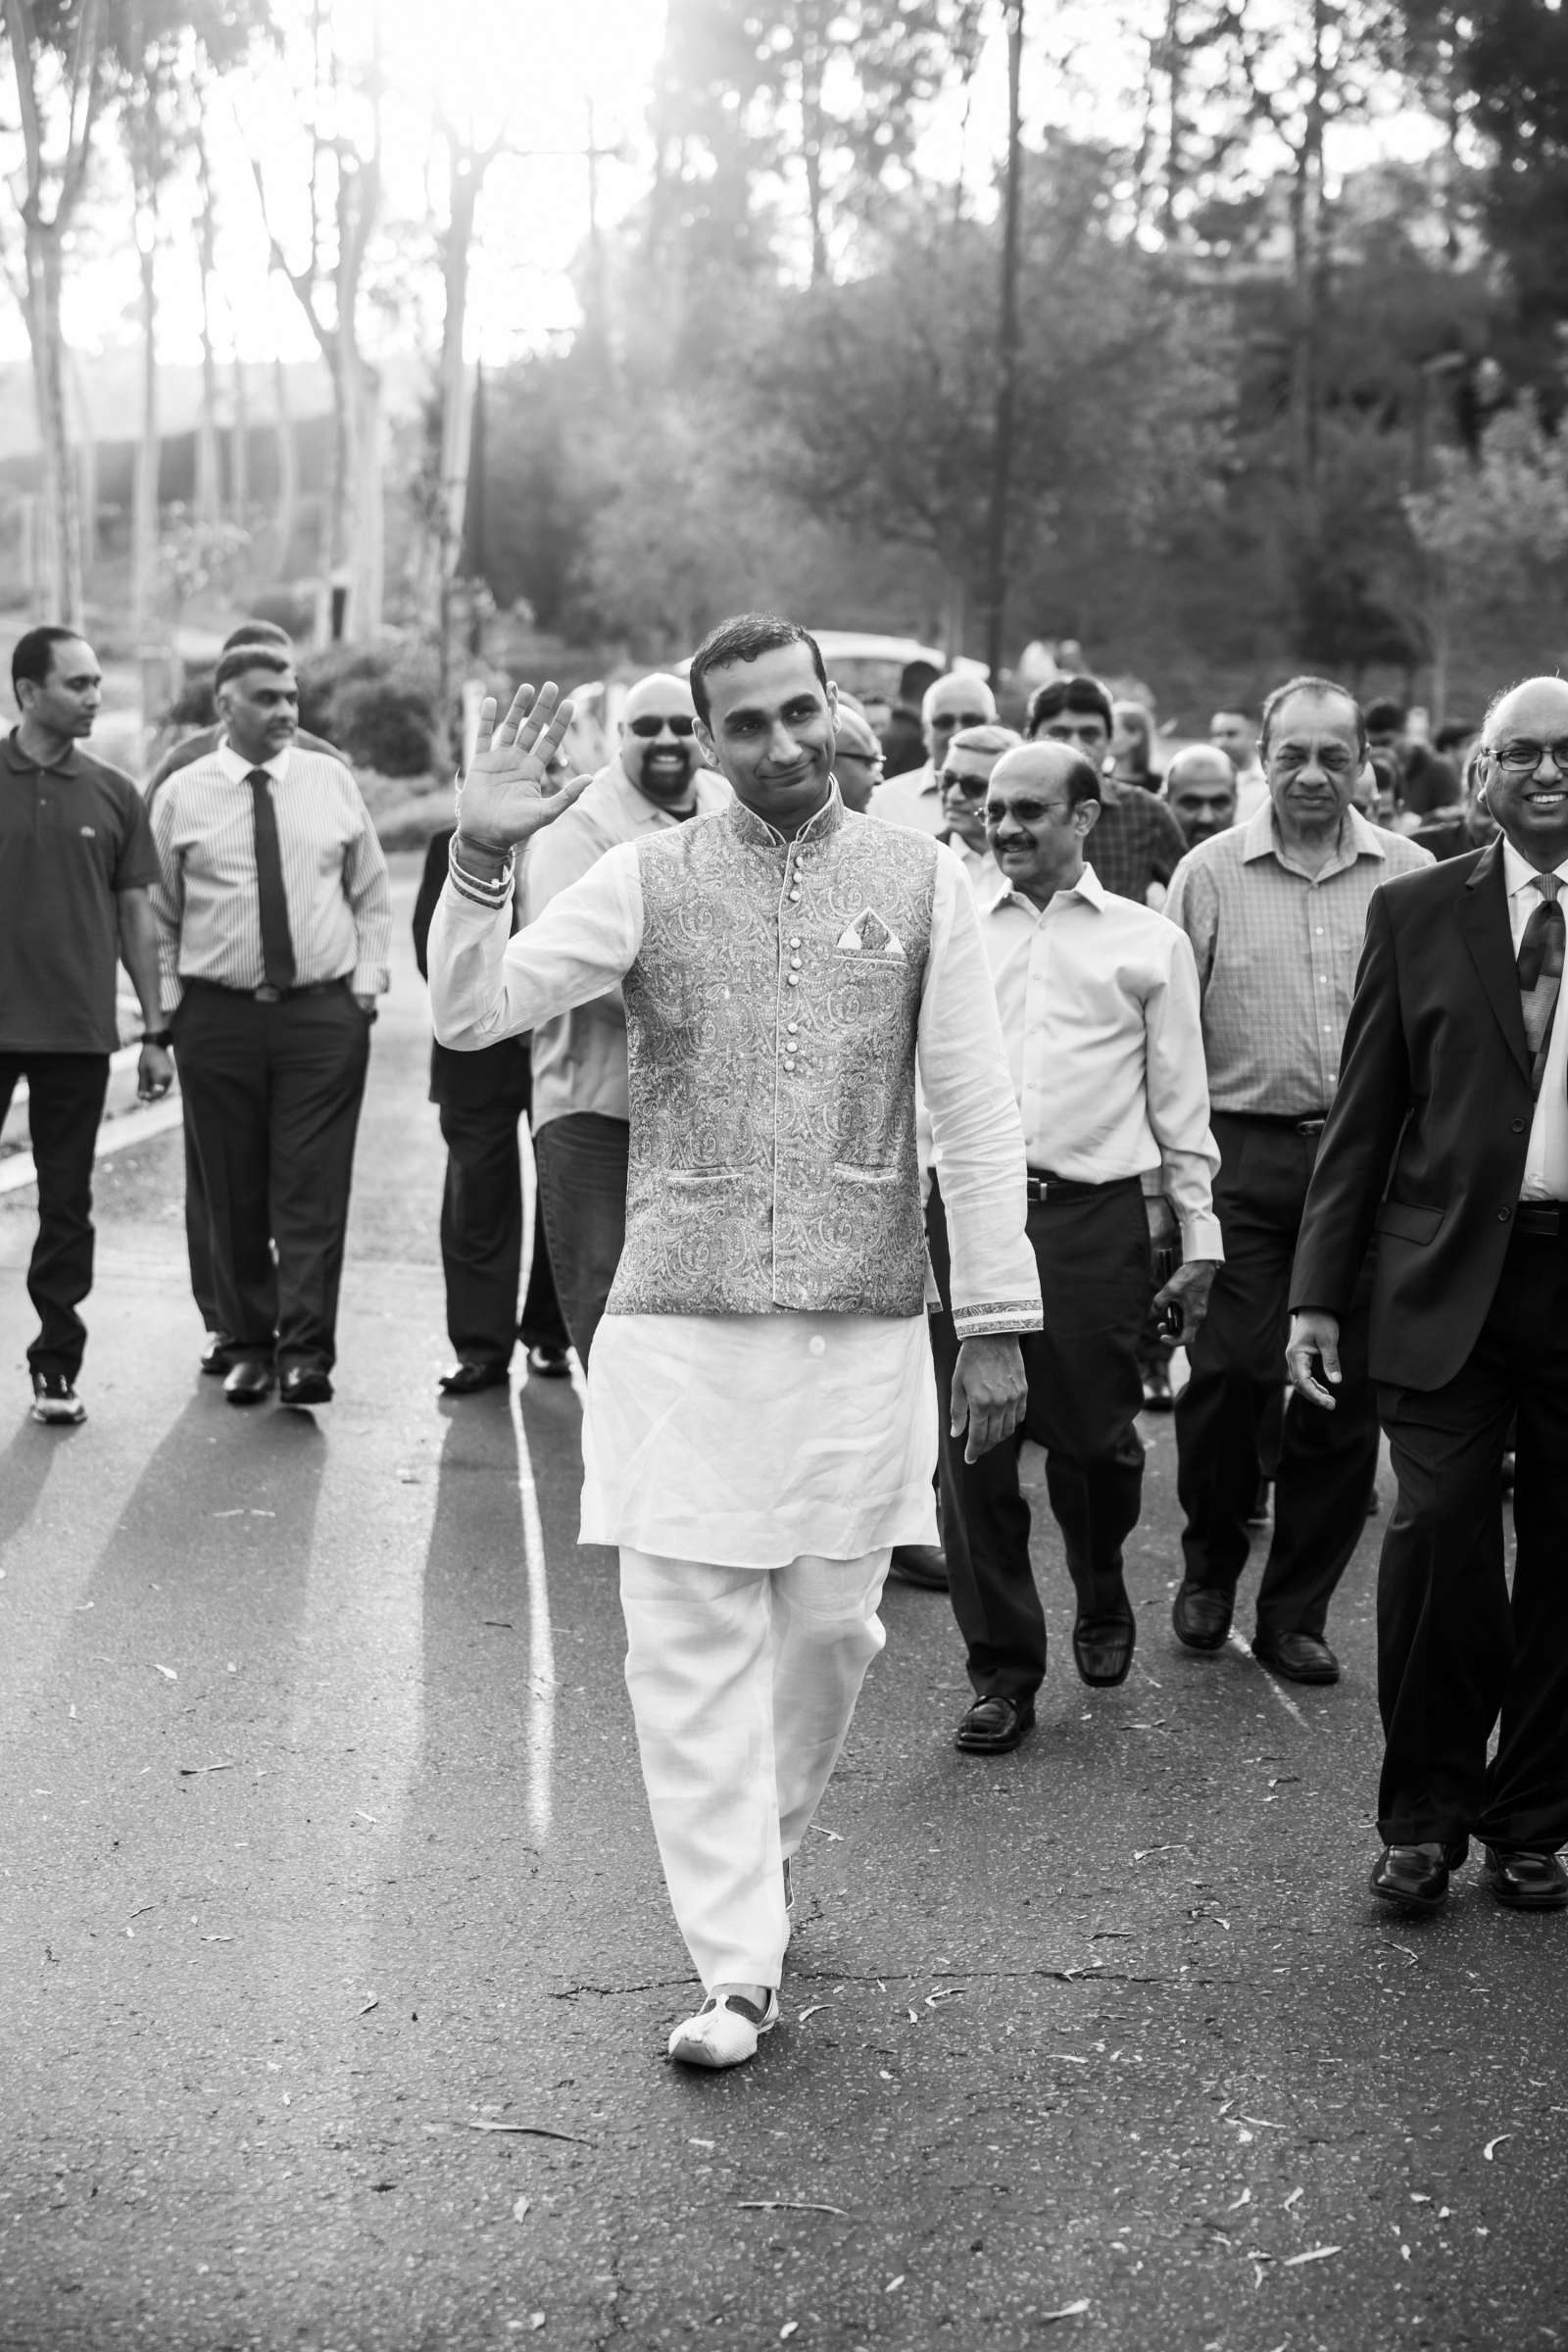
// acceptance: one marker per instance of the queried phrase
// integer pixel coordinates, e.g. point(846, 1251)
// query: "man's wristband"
point(156, 1036)
point(488, 890)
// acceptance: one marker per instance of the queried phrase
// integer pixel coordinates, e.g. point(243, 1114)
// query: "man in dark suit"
point(1449, 1139)
point(481, 1098)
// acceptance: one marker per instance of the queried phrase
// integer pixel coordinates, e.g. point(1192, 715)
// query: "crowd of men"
point(1140, 990)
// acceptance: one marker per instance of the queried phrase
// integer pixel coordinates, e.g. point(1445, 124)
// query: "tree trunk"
point(239, 450)
point(144, 485)
point(365, 512)
point(60, 542)
point(456, 413)
point(286, 517)
point(209, 489)
point(86, 467)
point(1003, 427)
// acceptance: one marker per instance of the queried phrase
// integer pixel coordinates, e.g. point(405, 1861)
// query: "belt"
point(1041, 1185)
point(1288, 1122)
point(1541, 1216)
point(271, 996)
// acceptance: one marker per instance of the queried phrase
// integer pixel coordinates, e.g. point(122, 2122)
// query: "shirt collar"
point(1518, 873)
point(237, 769)
point(757, 829)
point(18, 761)
point(1088, 887)
point(1259, 839)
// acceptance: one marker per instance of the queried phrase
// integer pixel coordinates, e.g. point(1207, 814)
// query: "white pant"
point(743, 1681)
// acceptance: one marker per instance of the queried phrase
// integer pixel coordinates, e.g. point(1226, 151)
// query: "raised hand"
point(506, 794)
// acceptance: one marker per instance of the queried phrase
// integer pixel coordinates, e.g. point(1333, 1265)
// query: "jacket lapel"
point(1484, 924)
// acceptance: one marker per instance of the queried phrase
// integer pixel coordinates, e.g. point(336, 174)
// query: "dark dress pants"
point(581, 1158)
point(1085, 1392)
point(65, 1105)
point(1455, 1652)
point(198, 1226)
point(1326, 1460)
point(481, 1237)
point(275, 1092)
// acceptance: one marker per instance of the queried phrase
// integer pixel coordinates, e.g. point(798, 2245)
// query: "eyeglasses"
point(944, 723)
point(1524, 758)
point(973, 788)
point(1025, 812)
point(865, 759)
point(651, 726)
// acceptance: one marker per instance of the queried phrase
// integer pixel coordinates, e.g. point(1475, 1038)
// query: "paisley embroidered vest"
point(770, 1023)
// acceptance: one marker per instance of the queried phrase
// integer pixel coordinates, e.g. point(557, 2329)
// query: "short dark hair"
point(33, 657)
point(747, 637)
point(241, 657)
point(1310, 685)
point(258, 632)
point(1070, 694)
point(1385, 715)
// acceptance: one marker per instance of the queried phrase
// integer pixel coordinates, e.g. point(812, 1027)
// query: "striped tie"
point(1541, 973)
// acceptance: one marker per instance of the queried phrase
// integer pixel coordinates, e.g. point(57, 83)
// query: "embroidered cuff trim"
point(996, 1317)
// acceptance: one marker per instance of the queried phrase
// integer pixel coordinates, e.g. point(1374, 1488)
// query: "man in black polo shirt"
point(76, 860)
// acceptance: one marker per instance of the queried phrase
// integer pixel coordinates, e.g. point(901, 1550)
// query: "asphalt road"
point(336, 1970)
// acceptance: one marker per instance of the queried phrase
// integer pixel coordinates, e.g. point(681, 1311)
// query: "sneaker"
point(55, 1399)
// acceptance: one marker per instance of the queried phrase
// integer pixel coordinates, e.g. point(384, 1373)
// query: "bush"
point(384, 723)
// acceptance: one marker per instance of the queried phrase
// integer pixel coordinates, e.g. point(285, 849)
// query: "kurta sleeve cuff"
point(996, 1317)
point(1201, 1237)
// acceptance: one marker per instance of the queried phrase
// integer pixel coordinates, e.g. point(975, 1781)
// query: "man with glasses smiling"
point(1099, 1006)
point(965, 779)
point(1449, 1139)
point(581, 1112)
point(1276, 910)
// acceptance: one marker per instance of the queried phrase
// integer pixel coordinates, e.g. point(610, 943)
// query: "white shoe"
point(725, 2031)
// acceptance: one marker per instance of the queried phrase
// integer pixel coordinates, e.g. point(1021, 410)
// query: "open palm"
point(506, 794)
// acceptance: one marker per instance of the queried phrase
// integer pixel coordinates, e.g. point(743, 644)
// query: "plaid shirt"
point(1135, 842)
point(1276, 951)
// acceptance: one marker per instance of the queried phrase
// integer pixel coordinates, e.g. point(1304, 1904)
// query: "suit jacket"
point(497, 1076)
point(1426, 1140)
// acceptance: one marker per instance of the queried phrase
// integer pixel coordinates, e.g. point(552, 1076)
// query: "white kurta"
point(751, 1441)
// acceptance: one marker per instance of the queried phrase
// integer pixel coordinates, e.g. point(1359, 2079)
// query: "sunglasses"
point(945, 720)
point(973, 788)
point(651, 726)
point(1026, 812)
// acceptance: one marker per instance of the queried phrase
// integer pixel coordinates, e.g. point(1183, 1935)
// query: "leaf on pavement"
point(1493, 2146)
point(489, 2122)
point(521, 2210)
point(372, 2000)
point(1068, 2311)
point(1293, 2262)
point(188, 1772)
point(785, 2205)
point(811, 2012)
point(168, 1672)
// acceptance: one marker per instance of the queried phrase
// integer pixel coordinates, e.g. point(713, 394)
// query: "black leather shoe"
point(548, 1363)
point(1102, 1649)
point(466, 1378)
point(1298, 1657)
point(1525, 1881)
point(1416, 1875)
point(304, 1384)
point(1202, 1617)
point(249, 1382)
point(922, 1564)
point(221, 1353)
point(1158, 1397)
point(994, 1725)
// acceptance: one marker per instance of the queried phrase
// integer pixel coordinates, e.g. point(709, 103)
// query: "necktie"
point(1541, 972)
point(277, 944)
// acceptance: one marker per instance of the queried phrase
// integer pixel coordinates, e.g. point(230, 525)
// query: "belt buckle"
point(268, 995)
point(1311, 1126)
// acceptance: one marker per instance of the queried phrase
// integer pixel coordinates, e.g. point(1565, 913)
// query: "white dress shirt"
point(1104, 1028)
point(912, 798)
point(1547, 1160)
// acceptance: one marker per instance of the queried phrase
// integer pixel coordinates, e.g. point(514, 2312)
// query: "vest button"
point(1517, 1125)
point(1503, 1214)
point(794, 979)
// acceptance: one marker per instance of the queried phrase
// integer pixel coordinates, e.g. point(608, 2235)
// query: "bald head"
point(1522, 768)
point(658, 746)
point(857, 759)
point(959, 700)
point(1040, 807)
point(1201, 787)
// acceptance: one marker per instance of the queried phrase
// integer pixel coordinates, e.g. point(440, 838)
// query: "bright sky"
point(544, 71)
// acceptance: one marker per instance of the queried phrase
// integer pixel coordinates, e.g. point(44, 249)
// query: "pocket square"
point(868, 935)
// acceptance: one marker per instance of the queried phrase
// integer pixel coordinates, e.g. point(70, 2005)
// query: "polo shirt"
point(71, 837)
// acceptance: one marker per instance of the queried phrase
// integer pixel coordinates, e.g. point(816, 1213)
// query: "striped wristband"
point(474, 887)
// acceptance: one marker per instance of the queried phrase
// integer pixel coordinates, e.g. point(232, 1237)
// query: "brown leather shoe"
point(1202, 1617)
point(1525, 1880)
point(994, 1725)
point(1416, 1875)
point(1296, 1658)
point(1102, 1650)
